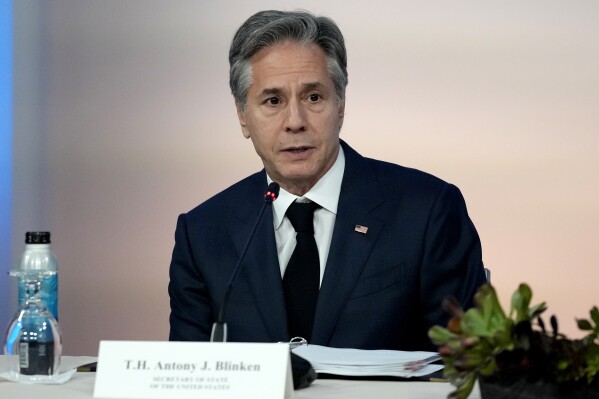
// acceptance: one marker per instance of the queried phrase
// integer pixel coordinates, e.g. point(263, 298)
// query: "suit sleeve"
point(452, 259)
point(191, 315)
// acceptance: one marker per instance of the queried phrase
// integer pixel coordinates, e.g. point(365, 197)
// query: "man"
point(392, 242)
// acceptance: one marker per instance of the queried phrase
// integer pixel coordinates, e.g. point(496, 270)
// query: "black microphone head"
point(272, 192)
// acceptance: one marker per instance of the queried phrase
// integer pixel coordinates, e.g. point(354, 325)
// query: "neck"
point(297, 189)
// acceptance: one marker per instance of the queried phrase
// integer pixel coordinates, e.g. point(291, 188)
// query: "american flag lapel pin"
point(361, 229)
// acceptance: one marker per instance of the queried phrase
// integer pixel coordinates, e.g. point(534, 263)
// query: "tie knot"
point(301, 215)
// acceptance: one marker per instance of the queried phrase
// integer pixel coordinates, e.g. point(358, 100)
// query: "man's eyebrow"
point(270, 91)
point(277, 91)
point(312, 86)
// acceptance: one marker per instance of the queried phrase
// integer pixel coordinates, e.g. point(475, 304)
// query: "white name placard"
point(173, 370)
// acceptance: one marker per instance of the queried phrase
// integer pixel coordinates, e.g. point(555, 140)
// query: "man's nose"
point(296, 118)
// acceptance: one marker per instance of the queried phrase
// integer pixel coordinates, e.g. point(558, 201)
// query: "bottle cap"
point(37, 237)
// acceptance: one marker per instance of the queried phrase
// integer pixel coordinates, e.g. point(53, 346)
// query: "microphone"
point(219, 328)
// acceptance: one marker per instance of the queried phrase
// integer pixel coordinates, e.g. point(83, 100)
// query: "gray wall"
point(124, 119)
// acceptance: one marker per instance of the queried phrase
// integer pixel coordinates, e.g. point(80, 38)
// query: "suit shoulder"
point(397, 178)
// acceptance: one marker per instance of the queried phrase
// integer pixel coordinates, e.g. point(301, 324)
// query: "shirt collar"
point(325, 192)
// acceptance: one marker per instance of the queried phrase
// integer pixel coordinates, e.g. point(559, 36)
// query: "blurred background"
point(121, 119)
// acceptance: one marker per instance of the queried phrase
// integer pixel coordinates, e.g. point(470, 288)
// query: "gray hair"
point(267, 28)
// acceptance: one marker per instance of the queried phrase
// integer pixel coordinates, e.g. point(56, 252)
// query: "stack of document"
point(359, 362)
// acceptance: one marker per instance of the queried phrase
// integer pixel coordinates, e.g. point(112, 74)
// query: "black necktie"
point(302, 276)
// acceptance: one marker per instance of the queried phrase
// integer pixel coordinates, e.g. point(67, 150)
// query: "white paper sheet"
point(359, 362)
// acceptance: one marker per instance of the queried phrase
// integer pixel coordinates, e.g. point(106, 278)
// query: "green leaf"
point(562, 364)
point(440, 335)
point(455, 346)
point(536, 310)
point(592, 358)
point(465, 388)
point(484, 291)
point(488, 307)
point(503, 340)
point(595, 316)
point(584, 324)
point(488, 367)
point(520, 302)
point(473, 323)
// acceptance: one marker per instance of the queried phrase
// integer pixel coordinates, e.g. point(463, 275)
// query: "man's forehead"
point(289, 66)
point(289, 57)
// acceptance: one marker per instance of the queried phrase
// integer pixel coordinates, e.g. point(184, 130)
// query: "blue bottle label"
point(48, 294)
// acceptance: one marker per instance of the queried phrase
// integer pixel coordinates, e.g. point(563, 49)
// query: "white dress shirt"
point(326, 194)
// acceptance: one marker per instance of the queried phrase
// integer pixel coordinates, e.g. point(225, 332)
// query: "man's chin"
point(297, 183)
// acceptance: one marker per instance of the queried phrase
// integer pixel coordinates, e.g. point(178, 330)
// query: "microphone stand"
point(302, 371)
point(219, 328)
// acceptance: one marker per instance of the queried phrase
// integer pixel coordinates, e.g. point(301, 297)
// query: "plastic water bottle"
point(38, 256)
point(38, 344)
point(33, 342)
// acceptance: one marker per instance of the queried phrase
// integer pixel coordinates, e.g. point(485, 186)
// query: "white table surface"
point(81, 386)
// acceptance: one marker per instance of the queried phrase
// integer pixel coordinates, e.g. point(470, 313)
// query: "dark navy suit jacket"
point(382, 289)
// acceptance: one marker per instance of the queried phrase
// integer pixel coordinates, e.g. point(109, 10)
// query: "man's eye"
point(314, 97)
point(272, 101)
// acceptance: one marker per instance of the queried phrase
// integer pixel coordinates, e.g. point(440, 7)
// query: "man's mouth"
point(297, 149)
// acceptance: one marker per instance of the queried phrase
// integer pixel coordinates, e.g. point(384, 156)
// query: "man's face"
point(293, 116)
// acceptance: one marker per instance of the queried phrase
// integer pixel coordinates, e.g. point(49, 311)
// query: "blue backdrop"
point(5, 157)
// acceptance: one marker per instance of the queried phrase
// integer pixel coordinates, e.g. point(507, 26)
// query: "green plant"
point(485, 342)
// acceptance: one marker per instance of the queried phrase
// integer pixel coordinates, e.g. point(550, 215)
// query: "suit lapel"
point(350, 249)
point(261, 264)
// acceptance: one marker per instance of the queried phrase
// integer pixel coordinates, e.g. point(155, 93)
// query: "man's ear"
point(242, 120)
point(341, 113)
